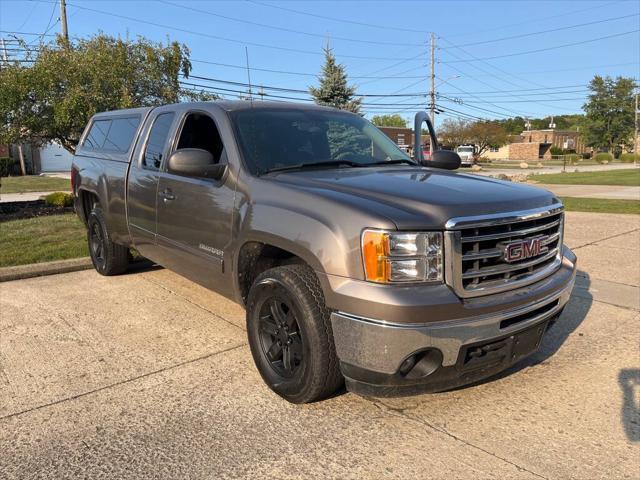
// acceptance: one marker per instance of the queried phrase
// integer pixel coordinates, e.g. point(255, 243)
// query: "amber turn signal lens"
point(375, 246)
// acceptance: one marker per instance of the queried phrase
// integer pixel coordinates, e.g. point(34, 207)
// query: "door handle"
point(166, 195)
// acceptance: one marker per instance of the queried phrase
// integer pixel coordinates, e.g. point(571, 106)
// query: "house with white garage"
point(52, 157)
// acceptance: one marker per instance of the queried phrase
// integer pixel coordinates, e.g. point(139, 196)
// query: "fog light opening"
point(421, 363)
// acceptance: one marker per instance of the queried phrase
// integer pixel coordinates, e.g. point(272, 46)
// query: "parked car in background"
point(354, 262)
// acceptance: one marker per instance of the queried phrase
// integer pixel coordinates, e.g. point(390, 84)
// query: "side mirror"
point(195, 162)
point(445, 159)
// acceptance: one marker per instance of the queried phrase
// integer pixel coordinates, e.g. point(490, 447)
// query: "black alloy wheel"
point(96, 245)
point(280, 337)
point(290, 335)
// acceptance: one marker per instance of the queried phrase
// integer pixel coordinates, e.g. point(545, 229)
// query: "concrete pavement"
point(553, 169)
point(24, 197)
point(147, 375)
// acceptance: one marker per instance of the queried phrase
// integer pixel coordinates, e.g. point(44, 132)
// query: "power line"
point(25, 33)
point(591, 40)
point(283, 29)
point(467, 115)
point(489, 103)
point(535, 101)
point(488, 84)
point(341, 20)
point(538, 19)
point(522, 35)
point(526, 94)
point(225, 39)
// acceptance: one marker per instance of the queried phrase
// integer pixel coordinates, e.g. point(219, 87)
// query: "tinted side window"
point(121, 134)
point(97, 134)
point(152, 158)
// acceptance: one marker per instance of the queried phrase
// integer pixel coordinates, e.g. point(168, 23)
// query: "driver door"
point(194, 214)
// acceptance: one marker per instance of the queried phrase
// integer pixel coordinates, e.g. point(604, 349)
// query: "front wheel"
point(290, 334)
point(108, 258)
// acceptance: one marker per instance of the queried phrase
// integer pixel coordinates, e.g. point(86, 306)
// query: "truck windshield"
point(286, 139)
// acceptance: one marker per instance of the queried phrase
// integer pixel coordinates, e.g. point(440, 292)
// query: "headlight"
point(400, 257)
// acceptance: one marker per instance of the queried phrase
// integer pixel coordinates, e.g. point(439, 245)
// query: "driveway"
point(614, 192)
point(552, 169)
point(147, 375)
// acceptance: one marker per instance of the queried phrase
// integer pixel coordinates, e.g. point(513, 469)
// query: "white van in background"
point(466, 153)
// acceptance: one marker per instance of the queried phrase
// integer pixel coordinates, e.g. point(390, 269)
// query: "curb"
point(8, 274)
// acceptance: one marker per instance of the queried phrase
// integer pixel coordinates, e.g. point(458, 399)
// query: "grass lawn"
point(34, 183)
point(597, 205)
point(627, 177)
point(42, 239)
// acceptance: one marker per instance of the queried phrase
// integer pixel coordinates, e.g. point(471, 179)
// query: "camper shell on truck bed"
point(354, 262)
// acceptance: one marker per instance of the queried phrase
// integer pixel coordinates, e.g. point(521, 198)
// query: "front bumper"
point(375, 354)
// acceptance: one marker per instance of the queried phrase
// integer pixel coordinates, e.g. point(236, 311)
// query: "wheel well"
point(87, 202)
point(257, 257)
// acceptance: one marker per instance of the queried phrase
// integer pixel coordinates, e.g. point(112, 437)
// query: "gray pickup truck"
point(354, 262)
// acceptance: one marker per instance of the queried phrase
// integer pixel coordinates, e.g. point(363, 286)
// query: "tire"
point(286, 305)
point(108, 258)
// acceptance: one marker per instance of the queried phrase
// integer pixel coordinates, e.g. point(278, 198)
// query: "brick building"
point(403, 137)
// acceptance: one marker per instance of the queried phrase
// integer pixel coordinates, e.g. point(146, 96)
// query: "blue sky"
point(482, 67)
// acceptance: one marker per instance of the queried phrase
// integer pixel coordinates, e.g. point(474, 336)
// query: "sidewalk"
point(23, 197)
point(613, 192)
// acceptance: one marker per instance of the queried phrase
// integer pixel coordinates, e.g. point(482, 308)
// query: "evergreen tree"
point(334, 90)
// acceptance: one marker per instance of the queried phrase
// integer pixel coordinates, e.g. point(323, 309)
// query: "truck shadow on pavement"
point(141, 265)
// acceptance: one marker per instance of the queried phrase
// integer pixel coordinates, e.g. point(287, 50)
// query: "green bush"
point(629, 158)
point(58, 199)
point(556, 150)
point(603, 157)
point(6, 166)
point(573, 158)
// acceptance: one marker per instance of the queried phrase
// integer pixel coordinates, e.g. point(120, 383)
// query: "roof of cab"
point(124, 111)
point(226, 105)
point(236, 105)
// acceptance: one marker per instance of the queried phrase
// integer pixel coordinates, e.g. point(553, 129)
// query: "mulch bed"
point(35, 208)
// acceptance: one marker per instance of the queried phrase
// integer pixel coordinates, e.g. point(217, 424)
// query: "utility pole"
point(635, 139)
point(432, 93)
point(6, 58)
point(63, 20)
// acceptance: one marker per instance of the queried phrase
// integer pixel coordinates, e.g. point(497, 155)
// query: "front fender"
point(323, 246)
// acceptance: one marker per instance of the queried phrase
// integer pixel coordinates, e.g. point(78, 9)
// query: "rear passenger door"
point(144, 174)
point(195, 214)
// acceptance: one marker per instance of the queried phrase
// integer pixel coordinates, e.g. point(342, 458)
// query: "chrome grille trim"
point(505, 268)
point(459, 223)
point(478, 279)
point(523, 232)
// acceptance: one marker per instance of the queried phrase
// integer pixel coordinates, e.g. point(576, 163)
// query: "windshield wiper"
point(394, 162)
point(328, 163)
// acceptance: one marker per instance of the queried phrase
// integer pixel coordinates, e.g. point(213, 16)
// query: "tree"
point(53, 99)
point(394, 120)
point(455, 132)
point(610, 113)
point(334, 90)
point(486, 134)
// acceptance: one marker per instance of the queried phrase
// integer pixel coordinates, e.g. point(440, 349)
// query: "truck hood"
point(418, 197)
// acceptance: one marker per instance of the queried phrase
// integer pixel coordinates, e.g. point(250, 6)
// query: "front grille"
point(477, 247)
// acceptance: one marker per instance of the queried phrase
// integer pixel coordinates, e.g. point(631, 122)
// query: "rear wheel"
point(290, 334)
point(108, 258)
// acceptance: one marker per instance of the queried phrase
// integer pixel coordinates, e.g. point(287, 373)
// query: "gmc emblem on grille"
point(526, 248)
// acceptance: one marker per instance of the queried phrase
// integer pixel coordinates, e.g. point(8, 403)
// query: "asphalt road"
point(147, 375)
